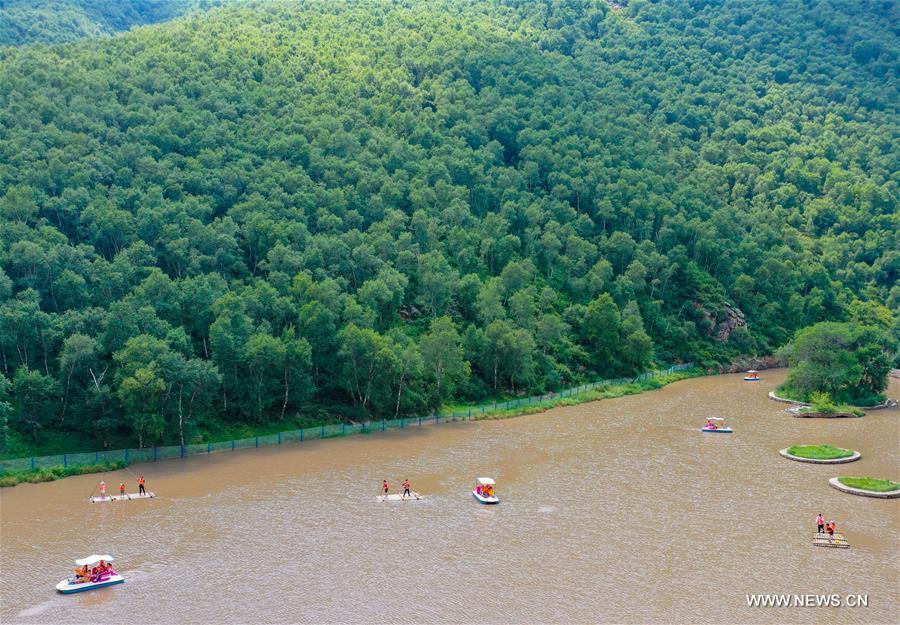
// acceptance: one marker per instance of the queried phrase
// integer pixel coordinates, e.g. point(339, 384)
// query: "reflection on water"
point(619, 510)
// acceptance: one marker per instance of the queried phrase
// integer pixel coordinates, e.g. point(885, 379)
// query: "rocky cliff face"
point(723, 322)
point(733, 319)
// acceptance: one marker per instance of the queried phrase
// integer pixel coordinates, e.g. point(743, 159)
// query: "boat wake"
point(36, 609)
point(547, 509)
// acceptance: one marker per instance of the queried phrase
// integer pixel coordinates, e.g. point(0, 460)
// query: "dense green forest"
point(58, 21)
point(286, 211)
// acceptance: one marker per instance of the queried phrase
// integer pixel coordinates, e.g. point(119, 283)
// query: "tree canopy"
point(372, 208)
point(58, 21)
point(848, 361)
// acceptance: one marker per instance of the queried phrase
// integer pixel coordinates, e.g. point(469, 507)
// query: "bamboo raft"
point(125, 497)
point(413, 497)
point(824, 540)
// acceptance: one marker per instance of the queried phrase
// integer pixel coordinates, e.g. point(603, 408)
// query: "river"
point(619, 510)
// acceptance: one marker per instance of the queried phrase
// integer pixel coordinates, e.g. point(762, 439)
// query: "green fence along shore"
point(154, 454)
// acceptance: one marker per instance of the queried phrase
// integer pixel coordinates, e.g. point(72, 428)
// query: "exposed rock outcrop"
point(734, 319)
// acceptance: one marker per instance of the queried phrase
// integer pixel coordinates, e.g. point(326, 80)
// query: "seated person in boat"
point(488, 491)
point(710, 425)
point(101, 571)
point(82, 574)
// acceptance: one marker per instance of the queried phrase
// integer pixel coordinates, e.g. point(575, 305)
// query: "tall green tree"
point(444, 359)
point(35, 399)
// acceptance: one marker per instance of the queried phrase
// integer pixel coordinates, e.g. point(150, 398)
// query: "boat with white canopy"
point(484, 491)
point(715, 425)
point(93, 572)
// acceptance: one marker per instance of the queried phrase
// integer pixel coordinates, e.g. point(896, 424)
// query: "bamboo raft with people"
point(406, 495)
point(836, 540)
point(123, 495)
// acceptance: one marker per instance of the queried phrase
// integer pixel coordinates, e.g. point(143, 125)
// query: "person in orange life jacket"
point(83, 574)
point(122, 488)
point(141, 486)
point(406, 492)
point(385, 487)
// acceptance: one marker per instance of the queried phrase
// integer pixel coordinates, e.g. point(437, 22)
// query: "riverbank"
point(49, 474)
point(67, 464)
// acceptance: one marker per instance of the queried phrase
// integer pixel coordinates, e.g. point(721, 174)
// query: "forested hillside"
point(57, 21)
point(372, 208)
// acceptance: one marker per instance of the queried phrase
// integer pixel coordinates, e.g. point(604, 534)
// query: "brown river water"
point(613, 511)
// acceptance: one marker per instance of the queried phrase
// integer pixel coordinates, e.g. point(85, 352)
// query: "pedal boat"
point(484, 490)
point(752, 376)
point(719, 429)
point(73, 585)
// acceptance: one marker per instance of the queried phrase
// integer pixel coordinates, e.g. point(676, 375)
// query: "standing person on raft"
point(820, 524)
point(406, 492)
point(102, 489)
point(385, 487)
point(141, 490)
point(122, 489)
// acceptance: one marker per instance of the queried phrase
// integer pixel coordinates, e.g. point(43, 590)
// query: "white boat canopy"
point(752, 371)
point(486, 481)
point(716, 419)
point(92, 560)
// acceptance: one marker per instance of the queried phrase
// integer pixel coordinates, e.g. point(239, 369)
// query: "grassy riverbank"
point(48, 474)
point(870, 484)
point(502, 409)
point(610, 391)
point(819, 452)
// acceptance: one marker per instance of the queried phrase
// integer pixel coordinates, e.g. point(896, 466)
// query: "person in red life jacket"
point(122, 488)
point(820, 523)
point(141, 490)
point(830, 529)
point(406, 492)
point(385, 487)
point(102, 571)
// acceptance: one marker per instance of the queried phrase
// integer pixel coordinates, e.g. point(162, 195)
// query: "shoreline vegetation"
point(820, 452)
point(819, 404)
point(610, 391)
point(50, 474)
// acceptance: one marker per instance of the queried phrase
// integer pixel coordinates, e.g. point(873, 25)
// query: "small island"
point(836, 366)
point(867, 487)
point(820, 454)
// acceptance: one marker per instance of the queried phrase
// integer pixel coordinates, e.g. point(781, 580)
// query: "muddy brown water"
point(619, 510)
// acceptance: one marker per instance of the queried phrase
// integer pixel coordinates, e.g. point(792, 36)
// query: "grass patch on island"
point(819, 452)
point(870, 484)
